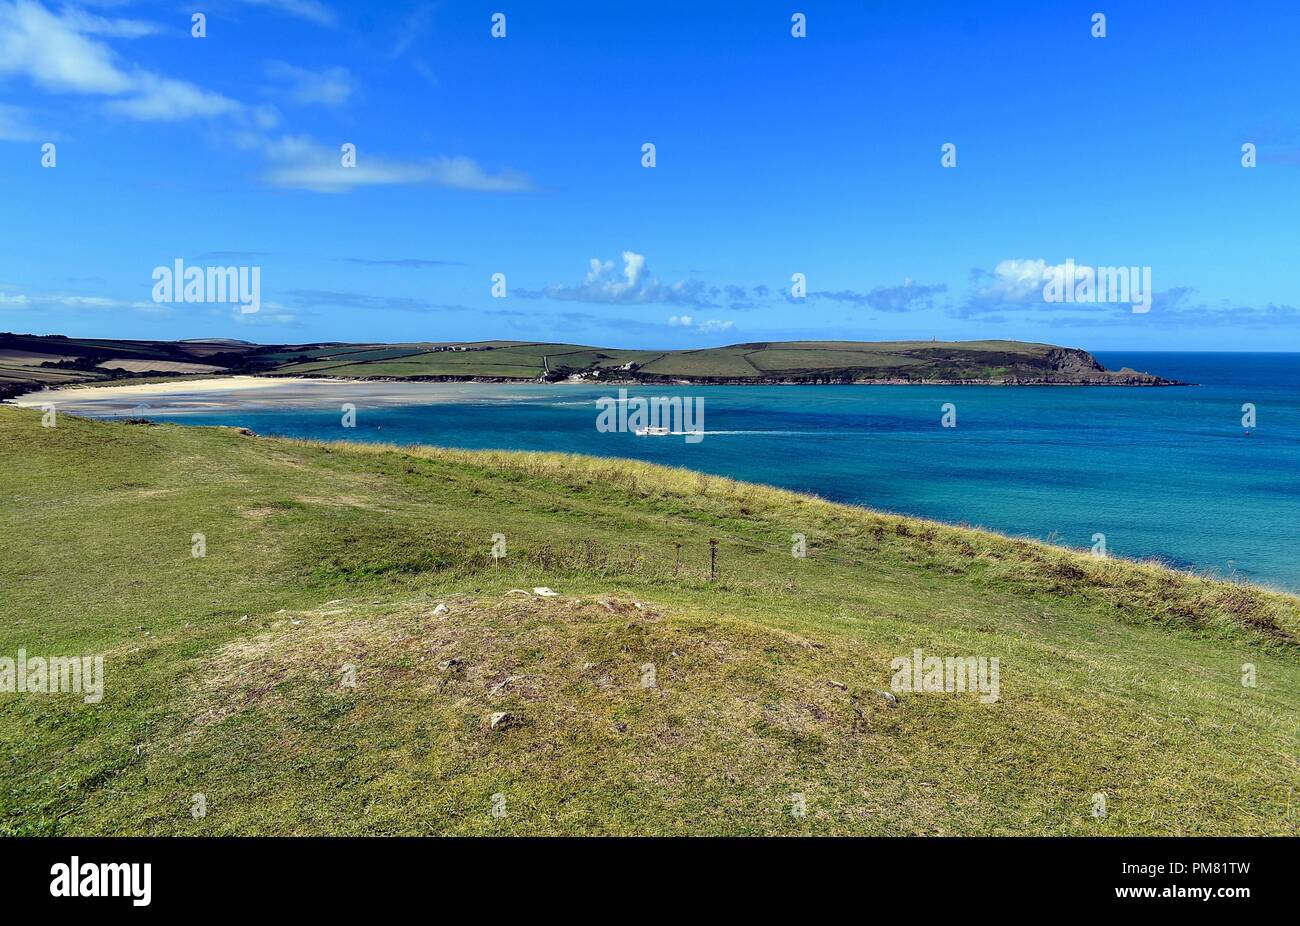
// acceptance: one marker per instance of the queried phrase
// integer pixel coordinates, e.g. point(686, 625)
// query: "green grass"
point(842, 361)
point(821, 358)
point(793, 361)
point(512, 361)
point(223, 672)
point(45, 377)
point(721, 361)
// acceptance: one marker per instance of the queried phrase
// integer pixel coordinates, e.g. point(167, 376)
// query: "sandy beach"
point(180, 387)
point(199, 395)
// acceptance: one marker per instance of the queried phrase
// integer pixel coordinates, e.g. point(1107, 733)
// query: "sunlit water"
point(1166, 472)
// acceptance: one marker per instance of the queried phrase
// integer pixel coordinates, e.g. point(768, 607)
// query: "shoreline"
point(1155, 562)
point(92, 390)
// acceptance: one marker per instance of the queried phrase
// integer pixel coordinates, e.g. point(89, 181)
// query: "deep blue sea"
point(1167, 472)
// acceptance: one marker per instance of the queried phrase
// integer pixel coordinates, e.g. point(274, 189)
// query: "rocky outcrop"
point(1073, 360)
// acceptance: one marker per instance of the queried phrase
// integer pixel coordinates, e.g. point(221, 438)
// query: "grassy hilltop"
point(223, 673)
point(29, 361)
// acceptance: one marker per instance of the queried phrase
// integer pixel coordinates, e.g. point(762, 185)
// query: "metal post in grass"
point(713, 559)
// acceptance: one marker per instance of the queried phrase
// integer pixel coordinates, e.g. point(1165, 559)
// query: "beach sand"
point(219, 384)
point(196, 395)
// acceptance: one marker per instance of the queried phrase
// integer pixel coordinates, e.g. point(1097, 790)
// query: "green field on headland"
point(645, 697)
point(30, 362)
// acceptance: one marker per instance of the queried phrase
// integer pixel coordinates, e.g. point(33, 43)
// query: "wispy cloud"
point(1013, 292)
point(310, 10)
point(366, 302)
point(1178, 308)
point(907, 297)
point(164, 99)
point(230, 255)
point(312, 298)
point(706, 326)
point(54, 55)
point(306, 164)
point(260, 319)
point(60, 53)
point(14, 298)
point(326, 87)
point(631, 283)
point(413, 27)
point(16, 125)
point(90, 24)
point(411, 263)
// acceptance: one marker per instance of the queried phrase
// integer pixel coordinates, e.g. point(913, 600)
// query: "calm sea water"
point(1166, 473)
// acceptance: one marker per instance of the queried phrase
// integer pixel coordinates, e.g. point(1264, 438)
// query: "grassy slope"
point(1116, 677)
point(746, 361)
point(21, 355)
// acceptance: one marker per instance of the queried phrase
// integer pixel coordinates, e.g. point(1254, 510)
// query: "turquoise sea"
point(1167, 472)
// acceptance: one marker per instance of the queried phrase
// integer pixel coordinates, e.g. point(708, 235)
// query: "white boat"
point(652, 432)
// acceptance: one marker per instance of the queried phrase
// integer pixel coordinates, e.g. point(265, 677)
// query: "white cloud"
point(632, 284)
point(56, 53)
point(412, 28)
point(1021, 284)
point(708, 326)
point(464, 174)
point(263, 318)
point(90, 24)
point(11, 299)
point(328, 87)
point(311, 10)
point(16, 125)
point(64, 301)
point(1015, 282)
point(166, 100)
point(306, 164)
point(53, 54)
point(712, 325)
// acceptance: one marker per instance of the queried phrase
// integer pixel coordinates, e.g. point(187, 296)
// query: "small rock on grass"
point(441, 609)
point(500, 720)
point(890, 697)
point(545, 592)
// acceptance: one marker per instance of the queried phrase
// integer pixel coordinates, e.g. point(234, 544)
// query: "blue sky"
point(775, 155)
